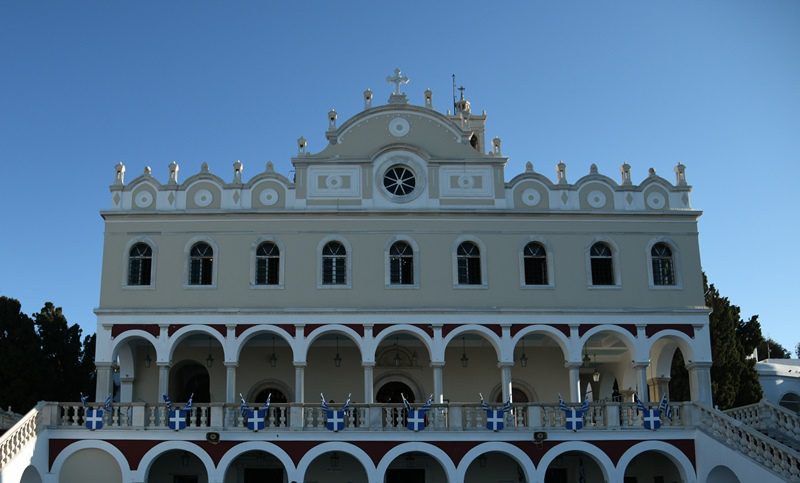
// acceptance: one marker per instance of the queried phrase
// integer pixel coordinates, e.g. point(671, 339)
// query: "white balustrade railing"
point(766, 416)
point(19, 435)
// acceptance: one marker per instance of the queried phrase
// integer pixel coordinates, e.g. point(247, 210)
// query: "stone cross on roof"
point(397, 79)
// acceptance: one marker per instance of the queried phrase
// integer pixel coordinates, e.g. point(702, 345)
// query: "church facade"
point(399, 277)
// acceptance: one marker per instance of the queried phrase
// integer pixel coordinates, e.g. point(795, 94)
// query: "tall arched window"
point(535, 264)
point(334, 264)
point(468, 257)
point(401, 264)
point(602, 264)
point(140, 264)
point(268, 258)
point(201, 264)
point(663, 265)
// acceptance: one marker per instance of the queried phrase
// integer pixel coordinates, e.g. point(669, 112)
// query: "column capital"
point(640, 364)
point(368, 364)
point(299, 364)
point(103, 365)
point(502, 364)
point(573, 365)
point(163, 364)
point(233, 364)
point(437, 364)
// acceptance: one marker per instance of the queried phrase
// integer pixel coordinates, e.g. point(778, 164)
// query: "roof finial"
point(397, 79)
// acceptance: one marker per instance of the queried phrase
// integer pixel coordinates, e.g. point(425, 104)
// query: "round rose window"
point(399, 180)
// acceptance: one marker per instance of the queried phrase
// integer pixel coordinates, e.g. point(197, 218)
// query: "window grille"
point(535, 264)
point(469, 264)
point(140, 264)
point(401, 264)
point(602, 263)
point(267, 263)
point(334, 264)
point(201, 264)
point(663, 266)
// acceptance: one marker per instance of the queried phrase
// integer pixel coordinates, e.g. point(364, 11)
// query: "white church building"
point(400, 261)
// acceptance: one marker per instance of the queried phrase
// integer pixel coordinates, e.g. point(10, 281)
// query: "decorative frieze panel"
point(466, 182)
point(334, 182)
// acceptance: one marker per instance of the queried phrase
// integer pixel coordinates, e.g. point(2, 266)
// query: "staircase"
point(774, 421)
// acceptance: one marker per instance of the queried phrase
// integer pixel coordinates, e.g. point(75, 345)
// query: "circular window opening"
point(399, 180)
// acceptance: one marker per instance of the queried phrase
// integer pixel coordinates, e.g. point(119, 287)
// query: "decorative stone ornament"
point(173, 173)
point(656, 200)
point(238, 167)
point(428, 98)
point(301, 145)
point(399, 127)
point(367, 98)
point(268, 197)
point(143, 199)
point(120, 173)
point(531, 197)
point(332, 115)
point(680, 174)
point(596, 199)
point(561, 173)
point(625, 172)
point(203, 198)
point(496, 142)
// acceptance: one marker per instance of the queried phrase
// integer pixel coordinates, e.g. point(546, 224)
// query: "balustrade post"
point(375, 415)
point(534, 417)
point(137, 415)
point(700, 382)
point(217, 416)
point(455, 413)
point(612, 415)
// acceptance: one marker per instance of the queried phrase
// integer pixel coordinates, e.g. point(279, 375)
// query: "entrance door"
point(405, 475)
point(263, 475)
point(391, 393)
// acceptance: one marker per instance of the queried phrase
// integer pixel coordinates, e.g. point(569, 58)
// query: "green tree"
point(21, 374)
point(62, 354)
point(769, 348)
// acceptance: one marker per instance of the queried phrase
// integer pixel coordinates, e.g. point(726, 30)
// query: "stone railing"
point(766, 416)
point(8, 419)
point(19, 435)
point(762, 449)
point(365, 417)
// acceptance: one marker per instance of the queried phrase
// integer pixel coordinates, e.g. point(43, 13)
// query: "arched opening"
point(470, 367)
point(334, 368)
point(652, 466)
point(199, 369)
point(256, 467)
point(392, 392)
point(269, 360)
point(90, 465)
point(138, 372)
point(606, 359)
point(536, 354)
point(517, 396)
point(30, 475)
point(190, 378)
point(679, 378)
point(177, 466)
point(336, 466)
point(402, 364)
point(791, 401)
point(415, 467)
point(494, 466)
point(722, 474)
point(573, 466)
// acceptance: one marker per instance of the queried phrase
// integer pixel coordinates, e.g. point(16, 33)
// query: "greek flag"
point(415, 418)
point(94, 419)
point(168, 402)
point(84, 400)
point(664, 407)
point(177, 419)
point(334, 419)
point(573, 417)
point(495, 418)
point(188, 406)
point(639, 404)
point(243, 408)
point(107, 404)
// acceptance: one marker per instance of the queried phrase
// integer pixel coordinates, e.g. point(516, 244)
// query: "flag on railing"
point(495, 418)
point(176, 418)
point(334, 418)
point(651, 418)
point(415, 418)
point(168, 402)
point(243, 407)
point(107, 404)
point(84, 400)
point(94, 419)
point(267, 402)
point(573, 417)
point(665, 407)
point(188, 406)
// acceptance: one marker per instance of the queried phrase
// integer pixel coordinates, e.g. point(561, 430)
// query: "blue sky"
point(712, 84)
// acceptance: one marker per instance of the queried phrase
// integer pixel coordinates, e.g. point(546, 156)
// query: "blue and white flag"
point(168, 402)
point(664, 407)
point(415, 418)
point(495, 418)
point(188, 406)
point(266, 403)
point(107, 404)
point(651, 418)
point(334, 419)
point(256, 419)
point(243, 408)
point(94, 419)
point(84, 400)
point(176, 419)
point(573, 417)
point(639, 404)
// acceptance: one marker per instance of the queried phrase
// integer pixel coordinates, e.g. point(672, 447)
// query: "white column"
point(438, 382)
point(700, 382)
point(505, 377)
point(230, 382)
point(126, 389)
point(299, 382)
point(369, 392)
point(163, 379)
point(574, 381)
point(103, 380)
point(641, 378)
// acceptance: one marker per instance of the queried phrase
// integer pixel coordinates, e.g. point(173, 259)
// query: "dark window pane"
point(602, 271)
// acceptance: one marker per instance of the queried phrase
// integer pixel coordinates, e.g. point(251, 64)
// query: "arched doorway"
point(415, 467)
point(494, 466)
point(255, 467)
point(336, 466)
point(177, 466)
point(187, 378)
point(722, 474)
point(573, 466)
point(791, 401)
point(91, 465)
point(517, 396)
point(652, 466)
point(390, 393)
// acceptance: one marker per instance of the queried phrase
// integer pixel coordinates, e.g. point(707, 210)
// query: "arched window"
point(334, 264)
point(268, 258)
point(140, 264)
point(201, 264)
point(663, 266)
point(468, 257)
point(401, 264)
point(535, 264)
point(602, 264)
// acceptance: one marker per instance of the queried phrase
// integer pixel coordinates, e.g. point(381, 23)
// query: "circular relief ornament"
point(333, 182)
point(531, 197)
point(268, 197)
point(399, 180)
point(656, 201)
point(203, 197)
point(465, 181)
point(596, 199)
point(143, 199)
point(399, 127)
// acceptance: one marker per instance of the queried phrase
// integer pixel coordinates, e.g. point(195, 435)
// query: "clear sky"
point(712, 84)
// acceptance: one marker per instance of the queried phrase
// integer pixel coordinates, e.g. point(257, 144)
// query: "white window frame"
point(281, 257)
point(387, 270)
point(126, 265)
point(551, 284)
point(616, 263)
point(187, 249)
point(676, 264)
point(348, 263)
point(484, 264)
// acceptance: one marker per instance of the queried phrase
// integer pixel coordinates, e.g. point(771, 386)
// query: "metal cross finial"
point(461, 90)
point(397, 79)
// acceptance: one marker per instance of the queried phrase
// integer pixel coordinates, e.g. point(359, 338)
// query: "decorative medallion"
point(203, 197)
point(656, 201)
point(333, 182)
point(143, 199)
point(171, 198)
point(531, 197)
point(399, 127)
point(116, 198)
point(466, 181)
point(268, 197)
point(596, 199)
point(399, 180)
